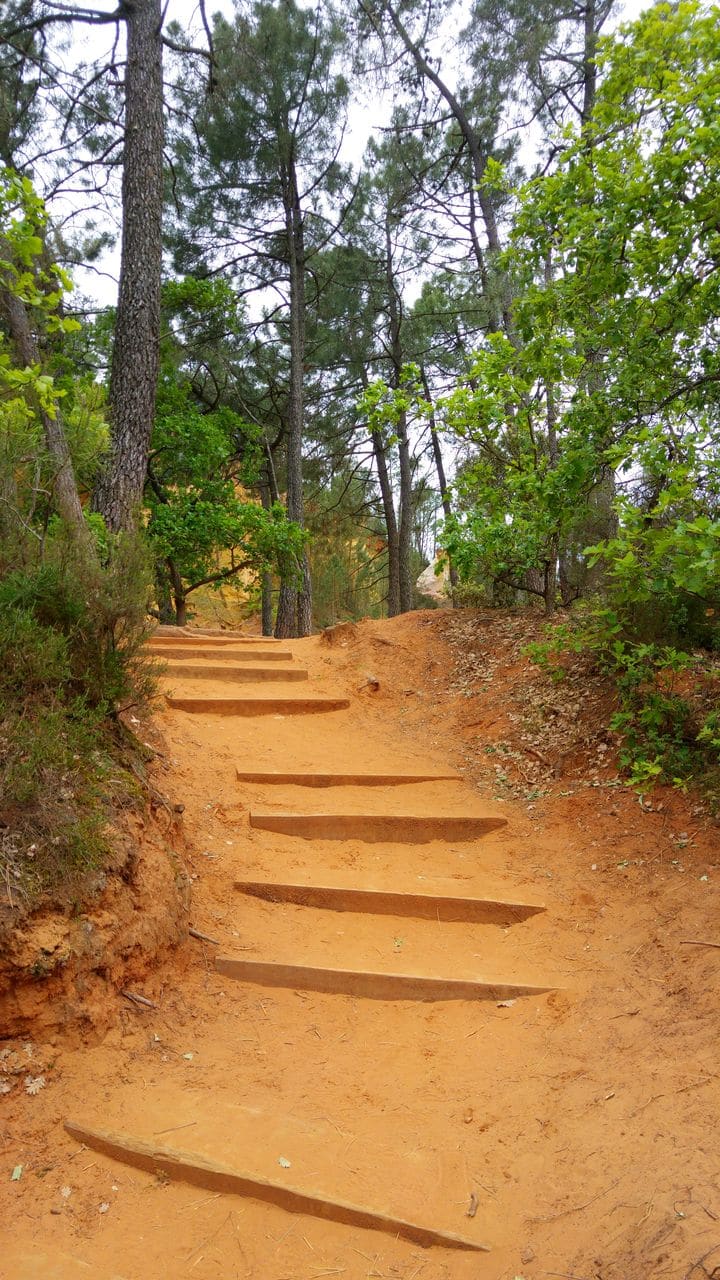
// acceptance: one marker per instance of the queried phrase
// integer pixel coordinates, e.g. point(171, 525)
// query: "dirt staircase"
point(316, 884)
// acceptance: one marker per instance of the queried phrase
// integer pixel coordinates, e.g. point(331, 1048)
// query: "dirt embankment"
point(62, 970)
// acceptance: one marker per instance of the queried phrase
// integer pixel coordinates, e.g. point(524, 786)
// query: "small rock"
point(527, 1255)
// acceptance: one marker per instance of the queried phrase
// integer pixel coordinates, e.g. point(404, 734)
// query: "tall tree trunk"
point(550, 579)
point(388, 506)
point(405, 583)
point(134, 368)
point(64, 486)
point(266, 577)
point(179, 597)
point(589, 65)
point(440, 469)
point(407, 587)
point(294, 615)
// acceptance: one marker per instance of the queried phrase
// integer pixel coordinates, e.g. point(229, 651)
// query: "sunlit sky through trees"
point(369, 112)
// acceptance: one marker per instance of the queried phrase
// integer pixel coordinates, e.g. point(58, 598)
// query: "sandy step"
point(420, 906)
point(214, 655)
point(257, 706)
point(342, 779)
point(398, 828)
point(237, 674)
point(373, 984)
point(220, 1178)
point(170, 636)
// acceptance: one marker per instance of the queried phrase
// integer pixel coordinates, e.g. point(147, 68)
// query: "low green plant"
point(70, 660)
point(547, 654)
point(665, 718)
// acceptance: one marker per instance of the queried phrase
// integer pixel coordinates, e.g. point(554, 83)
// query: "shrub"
point(70, 659)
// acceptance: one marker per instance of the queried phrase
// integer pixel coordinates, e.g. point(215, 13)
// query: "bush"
point(666, 717)
point(70, 658)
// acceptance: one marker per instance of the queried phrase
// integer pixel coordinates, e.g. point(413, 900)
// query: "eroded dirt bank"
point(60, 972)
point(577, 1127)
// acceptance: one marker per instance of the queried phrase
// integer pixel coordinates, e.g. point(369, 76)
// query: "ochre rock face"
point(433, 584)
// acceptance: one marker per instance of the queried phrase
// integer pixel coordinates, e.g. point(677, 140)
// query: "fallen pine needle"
point(698, 942)
point(174, 1128)
point(203, 1200)
point(578, 1207)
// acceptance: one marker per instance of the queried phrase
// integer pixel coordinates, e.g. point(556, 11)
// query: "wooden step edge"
point(257, 706)
point(371, 985)
point(230, 659)
point(203, 638)
point(343, 779)
point(395, 828)
point(380, 902)
point(240, 673)
point(212, 1176)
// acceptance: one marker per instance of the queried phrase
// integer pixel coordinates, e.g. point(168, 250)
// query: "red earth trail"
point(430, 1041)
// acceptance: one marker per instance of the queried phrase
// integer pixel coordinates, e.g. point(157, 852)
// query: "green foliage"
point(53, 383)
point(70, 654)
point(663, 577)
point(613, 367)
point(348, 553)
point(666, 733)
point(203, 527)
point(72, 622)
point(667, 726)
point(383, 406)
point(519, 493)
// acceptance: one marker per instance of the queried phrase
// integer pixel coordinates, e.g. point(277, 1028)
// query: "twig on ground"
point(566, 1275)
point(689, 1274)
point(698, 942)
point(136, 999)
point(156, 797)
point(576, 1208)
point(203, 937)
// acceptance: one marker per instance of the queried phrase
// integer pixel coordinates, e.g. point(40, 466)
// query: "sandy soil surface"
point(573, 1132)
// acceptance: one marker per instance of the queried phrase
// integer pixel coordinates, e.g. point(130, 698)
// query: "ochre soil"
point(580, 1125)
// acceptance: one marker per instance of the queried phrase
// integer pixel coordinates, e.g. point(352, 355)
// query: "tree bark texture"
point(405, 583)
point(294, 615)
point(440, 470)
point(135, 359)
point(179, 597)
point(388, 505)
point(266, 576)
point(407, 586)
